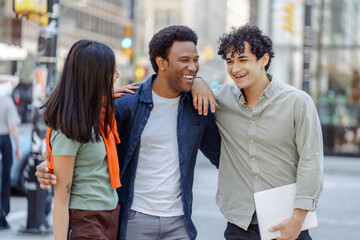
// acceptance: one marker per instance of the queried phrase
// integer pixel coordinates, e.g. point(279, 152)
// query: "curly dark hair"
point(235, 40)
point(162, 41)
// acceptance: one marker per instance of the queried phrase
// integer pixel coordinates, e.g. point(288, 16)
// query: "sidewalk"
point(337, 213)
point(342, 165)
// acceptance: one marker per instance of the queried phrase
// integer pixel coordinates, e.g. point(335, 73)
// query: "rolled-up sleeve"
point(309, 141)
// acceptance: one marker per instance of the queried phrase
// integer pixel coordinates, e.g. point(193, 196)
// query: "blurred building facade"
point(10, 39)
point(335, 54)
point(336, 73)
point(334, 64)
point(97, 20)
point(205, 17)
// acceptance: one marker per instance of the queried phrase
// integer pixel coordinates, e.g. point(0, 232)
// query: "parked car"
point(22, 96)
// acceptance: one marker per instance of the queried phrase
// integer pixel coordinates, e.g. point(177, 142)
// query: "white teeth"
point(188, 77)
point(240, 75)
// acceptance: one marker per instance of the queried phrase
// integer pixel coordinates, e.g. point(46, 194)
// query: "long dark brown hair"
point(84, 94)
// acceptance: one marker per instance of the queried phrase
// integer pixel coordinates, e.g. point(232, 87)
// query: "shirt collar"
point(238, 94)
point(269, 90)
point(146, 93)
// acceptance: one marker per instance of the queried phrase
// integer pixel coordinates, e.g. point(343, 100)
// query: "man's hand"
point(18, 153)
point(119, 92)
point(45, 178)
point(291, 228)
point(202, 96)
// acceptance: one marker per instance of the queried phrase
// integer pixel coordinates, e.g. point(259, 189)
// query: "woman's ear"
point(161, 63)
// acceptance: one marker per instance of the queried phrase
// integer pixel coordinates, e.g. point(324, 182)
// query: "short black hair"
point(260, 44)
point(84, 95)
point(162, 41)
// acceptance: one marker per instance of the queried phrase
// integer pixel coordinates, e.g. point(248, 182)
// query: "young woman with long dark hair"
point(81, 142)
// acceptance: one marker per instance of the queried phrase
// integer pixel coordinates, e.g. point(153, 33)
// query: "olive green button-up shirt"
point(278, 142)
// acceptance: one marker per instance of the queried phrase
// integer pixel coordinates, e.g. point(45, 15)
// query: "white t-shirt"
point(157, 182)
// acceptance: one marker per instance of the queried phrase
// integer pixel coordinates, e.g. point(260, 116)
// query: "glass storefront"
point(338, 76)
point(334, 65)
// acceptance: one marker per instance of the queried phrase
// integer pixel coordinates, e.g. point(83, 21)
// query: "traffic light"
point(140, 72)
point(127, 41)
point(288, 17)
point(35, 10)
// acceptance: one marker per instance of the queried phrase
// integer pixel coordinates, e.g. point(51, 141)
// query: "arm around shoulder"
point(211, 141)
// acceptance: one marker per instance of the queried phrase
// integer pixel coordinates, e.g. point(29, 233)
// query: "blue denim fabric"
point(194, 132)
point(7, 160)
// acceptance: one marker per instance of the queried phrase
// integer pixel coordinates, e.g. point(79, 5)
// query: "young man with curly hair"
point(271, 136)
point(161, 134)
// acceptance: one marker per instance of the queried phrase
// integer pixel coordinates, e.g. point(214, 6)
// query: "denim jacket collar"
point(146, 93)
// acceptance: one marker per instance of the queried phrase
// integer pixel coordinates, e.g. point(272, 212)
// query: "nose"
point(193, 66)
point(236, 68)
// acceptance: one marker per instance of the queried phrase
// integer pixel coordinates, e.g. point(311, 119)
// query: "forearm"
point(63, 169)
point(15, 134)
point(14, 80)
point(61, 209)
point(60, 220)
point(299, 216)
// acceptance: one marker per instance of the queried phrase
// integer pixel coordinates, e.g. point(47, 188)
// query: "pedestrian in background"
point(9, 121)
point(7, 84)
point(81, 142)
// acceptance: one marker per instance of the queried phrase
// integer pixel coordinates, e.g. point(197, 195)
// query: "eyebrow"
point(197, 56)
point(241, 57)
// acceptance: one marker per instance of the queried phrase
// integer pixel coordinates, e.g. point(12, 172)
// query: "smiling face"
point(181, 67)
point(245, 69)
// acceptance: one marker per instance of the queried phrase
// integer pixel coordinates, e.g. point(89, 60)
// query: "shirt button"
point(253, 159)
point(317, 153)
point(252, 122)
point(251, 141)
point(256, 177)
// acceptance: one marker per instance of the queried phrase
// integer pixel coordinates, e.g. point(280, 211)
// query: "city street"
point(338, 214)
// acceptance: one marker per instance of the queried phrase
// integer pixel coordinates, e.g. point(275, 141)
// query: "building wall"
point(334, 65)
point(102, 21)
point(10, 34)
point(206, 17)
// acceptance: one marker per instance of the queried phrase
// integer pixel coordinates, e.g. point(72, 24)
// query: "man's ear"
point(161, 63)
point(265, 59)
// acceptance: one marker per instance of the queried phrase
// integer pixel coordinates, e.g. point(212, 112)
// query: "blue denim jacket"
point(194, 132)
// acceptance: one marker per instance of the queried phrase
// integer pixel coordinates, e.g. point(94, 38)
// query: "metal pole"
point(39, 201)
point(307, 48)
point(319, 50)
